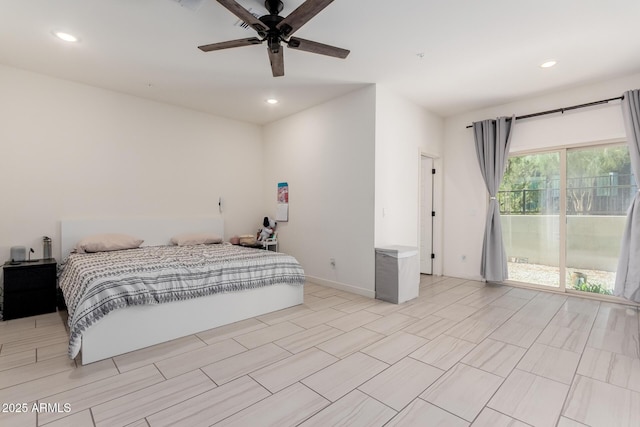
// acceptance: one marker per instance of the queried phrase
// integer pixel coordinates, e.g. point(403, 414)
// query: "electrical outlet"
point(332, 261)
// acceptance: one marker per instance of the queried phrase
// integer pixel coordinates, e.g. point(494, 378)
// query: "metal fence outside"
point(600, 195)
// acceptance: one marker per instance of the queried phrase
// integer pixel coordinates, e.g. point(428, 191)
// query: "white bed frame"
point(133, 328)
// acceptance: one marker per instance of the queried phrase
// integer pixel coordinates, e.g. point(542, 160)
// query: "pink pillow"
point(107, 242)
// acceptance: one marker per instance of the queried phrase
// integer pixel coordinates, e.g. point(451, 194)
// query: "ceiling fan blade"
point(277, 62)
point(319, 48)
point(242, 13)
point(230, 44)
point(301, 16)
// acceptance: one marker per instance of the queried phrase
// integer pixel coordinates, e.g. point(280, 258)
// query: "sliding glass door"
point(563, 214)
point(529, 201)
point(600, 188)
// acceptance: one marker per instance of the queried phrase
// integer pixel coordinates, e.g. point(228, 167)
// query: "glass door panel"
point(600, 188)
point(529, 200)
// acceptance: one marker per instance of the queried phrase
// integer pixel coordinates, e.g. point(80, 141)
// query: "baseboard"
point(342, 286)
point(476, 278)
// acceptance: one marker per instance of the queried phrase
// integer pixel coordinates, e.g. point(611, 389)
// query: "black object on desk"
point(29, 288)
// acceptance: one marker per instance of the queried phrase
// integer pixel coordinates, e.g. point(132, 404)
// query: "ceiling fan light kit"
point(276, 30)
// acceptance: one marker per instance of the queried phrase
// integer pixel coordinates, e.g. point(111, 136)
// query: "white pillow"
point(107, 242)
point(195, 239)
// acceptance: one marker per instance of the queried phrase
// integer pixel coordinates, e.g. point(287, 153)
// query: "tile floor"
point(463, 353)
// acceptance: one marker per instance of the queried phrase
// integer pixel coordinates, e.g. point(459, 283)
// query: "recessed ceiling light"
point(548, 64)
point(65, 36)
point(272, 101)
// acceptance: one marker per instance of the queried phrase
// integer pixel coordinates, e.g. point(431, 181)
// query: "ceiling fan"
point(275, 30)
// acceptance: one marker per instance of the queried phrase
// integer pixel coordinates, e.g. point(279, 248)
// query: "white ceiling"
point(450, 56)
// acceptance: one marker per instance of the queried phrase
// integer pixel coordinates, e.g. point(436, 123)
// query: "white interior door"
point(426, 218)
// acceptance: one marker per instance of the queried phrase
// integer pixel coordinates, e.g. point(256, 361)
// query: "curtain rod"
point(562, 110)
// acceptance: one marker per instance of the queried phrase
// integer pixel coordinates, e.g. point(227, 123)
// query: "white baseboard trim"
point(342, 286)
point(476, 278)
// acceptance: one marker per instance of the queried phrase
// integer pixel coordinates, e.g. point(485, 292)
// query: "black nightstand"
point(29, 288)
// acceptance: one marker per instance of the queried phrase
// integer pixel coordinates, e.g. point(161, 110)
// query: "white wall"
point(464, 192)
point(404, 131)
point(326, 154)
point(75, 151)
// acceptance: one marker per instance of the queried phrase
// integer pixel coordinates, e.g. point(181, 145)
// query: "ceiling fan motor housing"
point(271, 21)
point(273, 35)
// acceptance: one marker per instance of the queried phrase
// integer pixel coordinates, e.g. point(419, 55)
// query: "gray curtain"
point(628, 275)
point(493, 138)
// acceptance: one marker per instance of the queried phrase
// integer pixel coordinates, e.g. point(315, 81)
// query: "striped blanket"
point(98, 283)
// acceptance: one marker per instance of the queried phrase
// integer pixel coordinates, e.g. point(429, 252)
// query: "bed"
point(119, 327)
